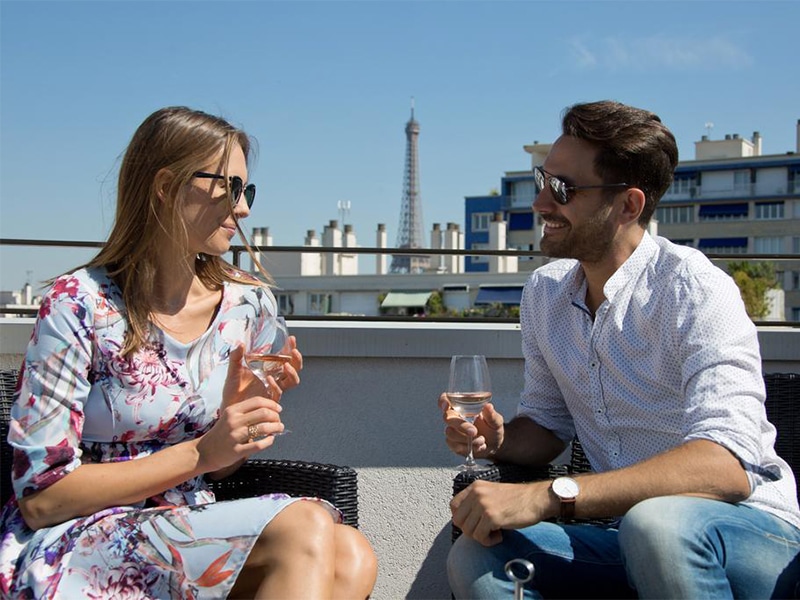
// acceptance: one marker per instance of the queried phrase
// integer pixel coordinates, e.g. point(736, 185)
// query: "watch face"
point(565, 487)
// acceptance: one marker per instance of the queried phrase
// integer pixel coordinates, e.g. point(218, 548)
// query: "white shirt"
point(670, 356)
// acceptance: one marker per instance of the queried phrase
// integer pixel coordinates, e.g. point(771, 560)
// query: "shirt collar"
point(631, 269)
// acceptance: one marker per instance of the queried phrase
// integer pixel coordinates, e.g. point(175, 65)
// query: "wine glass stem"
point(470, 462)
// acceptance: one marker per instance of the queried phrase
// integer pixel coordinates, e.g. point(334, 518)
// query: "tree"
point(754, 280)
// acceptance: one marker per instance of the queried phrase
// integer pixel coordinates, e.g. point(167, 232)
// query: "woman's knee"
point(303, 526)
point(355, 559)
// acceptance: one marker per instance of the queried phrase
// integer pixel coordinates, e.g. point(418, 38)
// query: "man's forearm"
point(527, 443)
point(698, 468)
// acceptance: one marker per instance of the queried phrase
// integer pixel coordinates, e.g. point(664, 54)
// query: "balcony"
point(368, 400)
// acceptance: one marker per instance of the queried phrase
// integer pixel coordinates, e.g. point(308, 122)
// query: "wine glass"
point(468, 391)
point(268, 358)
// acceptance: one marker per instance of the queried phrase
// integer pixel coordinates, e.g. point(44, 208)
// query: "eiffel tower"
point(409, 232)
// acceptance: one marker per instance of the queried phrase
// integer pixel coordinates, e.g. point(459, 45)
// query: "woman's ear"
point(162, 182)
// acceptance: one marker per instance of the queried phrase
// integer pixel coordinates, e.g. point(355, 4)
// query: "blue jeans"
point(669, 547)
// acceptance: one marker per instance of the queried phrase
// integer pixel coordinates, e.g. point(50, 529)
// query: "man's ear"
point(634, 205)
point(162, 182)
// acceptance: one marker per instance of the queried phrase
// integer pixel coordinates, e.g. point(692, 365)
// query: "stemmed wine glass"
point(269, 357)
point(468, 391)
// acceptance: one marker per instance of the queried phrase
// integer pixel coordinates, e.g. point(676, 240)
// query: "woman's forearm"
point(93, 487)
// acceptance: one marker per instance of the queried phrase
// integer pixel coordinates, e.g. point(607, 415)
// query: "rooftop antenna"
point(709, 126)
point(344, 210)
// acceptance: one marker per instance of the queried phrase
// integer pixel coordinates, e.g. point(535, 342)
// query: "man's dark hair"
point(633, 145)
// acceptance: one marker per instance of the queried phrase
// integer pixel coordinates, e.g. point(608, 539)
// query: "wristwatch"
point(566, 490)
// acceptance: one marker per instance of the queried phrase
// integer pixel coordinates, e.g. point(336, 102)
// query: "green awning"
point(406, 299)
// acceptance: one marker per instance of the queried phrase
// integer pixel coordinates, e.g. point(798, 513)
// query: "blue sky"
point(325, 88)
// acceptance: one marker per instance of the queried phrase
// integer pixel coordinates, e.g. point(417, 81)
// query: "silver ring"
point(253, 432)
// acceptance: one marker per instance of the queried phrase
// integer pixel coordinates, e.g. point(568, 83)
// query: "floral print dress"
point(80, 402)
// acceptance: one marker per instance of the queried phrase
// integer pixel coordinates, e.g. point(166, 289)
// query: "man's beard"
point(589, 242)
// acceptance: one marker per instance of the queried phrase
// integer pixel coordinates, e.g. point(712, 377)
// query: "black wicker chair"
point(783, 411)
point(337, 484)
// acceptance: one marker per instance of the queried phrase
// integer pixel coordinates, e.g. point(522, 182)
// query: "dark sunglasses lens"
point(236, 189)
point(538, 180)
point(559, 189)
point(250, 194)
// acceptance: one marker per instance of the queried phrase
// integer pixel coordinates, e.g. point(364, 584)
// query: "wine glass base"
point(475, 468)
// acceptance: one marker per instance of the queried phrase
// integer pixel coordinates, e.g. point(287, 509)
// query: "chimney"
point(349, 237)
point(331, 238)
point(436, 244)
point(381, 259)
point(453, 240)
point(756, 143)
point(260, 237)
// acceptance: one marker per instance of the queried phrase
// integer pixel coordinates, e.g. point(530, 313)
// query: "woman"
point(134, 388)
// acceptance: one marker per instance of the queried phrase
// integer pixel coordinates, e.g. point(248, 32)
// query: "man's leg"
point(578, 561)
point(685, 547)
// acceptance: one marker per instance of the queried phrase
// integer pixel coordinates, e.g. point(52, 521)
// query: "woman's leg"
point(302, 553)
point(356, 565)
point(294, 557)
point(686, 547)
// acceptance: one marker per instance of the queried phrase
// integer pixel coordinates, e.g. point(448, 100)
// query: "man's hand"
point(485, 507)
point(487, 431)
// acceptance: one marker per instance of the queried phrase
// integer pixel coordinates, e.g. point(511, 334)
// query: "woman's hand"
point(290, 377)
point(249, 416)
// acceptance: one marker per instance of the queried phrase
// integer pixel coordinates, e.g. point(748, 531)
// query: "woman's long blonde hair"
point(182, 141)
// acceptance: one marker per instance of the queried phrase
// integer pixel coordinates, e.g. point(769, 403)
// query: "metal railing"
point(236, 252)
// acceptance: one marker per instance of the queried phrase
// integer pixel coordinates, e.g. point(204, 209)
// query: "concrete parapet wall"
point(368, 400)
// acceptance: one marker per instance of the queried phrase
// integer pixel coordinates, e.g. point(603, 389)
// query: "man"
point(644, 350)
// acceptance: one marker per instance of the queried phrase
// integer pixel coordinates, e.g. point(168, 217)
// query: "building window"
point(796, 245)
point(796, 313)
point(319, 304)
point(736, 245)
point(741, 181)
point(285, 304)
point(520, 221)
point(521, 192)
point(681, 187)
point(480, 258)
point(669, 215)
point(794, 280)
point(480, 221)
point(768, 245)
point(769, 210)
point(723, 212)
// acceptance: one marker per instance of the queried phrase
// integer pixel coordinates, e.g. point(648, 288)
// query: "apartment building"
point(729, 201)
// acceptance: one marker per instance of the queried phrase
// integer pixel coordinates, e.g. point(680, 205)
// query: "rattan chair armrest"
point(334, 483)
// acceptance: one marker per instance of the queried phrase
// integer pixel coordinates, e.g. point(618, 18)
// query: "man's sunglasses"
point(237, 187)
point(561, 190)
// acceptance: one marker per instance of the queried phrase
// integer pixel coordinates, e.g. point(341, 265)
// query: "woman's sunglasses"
point(237, 187)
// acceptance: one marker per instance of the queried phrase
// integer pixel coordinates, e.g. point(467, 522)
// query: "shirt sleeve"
point(541, 400)
point(47, 417)
point(721, 368)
